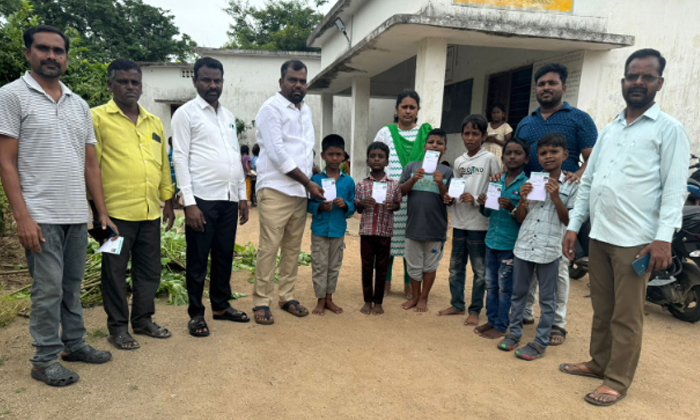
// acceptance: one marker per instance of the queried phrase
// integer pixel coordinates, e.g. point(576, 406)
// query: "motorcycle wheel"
point(577, 272)
point(690, 310)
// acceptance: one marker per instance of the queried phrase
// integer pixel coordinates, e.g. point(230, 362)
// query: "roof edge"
point(256, 53)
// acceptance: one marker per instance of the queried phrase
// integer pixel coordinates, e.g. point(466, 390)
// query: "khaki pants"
point(282, 221)
point(618, 296)
point(326, 261)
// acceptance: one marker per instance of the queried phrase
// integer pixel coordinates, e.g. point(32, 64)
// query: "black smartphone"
point(101, 235)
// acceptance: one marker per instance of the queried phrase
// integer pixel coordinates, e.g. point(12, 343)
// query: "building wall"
point(164, 83)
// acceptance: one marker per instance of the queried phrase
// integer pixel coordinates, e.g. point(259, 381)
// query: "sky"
point(204, 20)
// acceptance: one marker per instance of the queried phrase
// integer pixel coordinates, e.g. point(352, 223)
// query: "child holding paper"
point(329, 223)
point(538, 248)
point(501, 237)
point(426, 228)
point(473, 168)
point(377, 197)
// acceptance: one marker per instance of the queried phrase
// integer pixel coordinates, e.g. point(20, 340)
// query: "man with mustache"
point(556, 116)
point(47, 158)
point(634, 191)
point(210, 175)
point(285, 133)
point(136, 177)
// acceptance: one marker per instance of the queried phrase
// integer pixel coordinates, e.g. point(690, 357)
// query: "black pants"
point(219, 238)
point(142, 244)
point(375, 252)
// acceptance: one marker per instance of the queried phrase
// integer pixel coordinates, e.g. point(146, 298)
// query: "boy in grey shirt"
point(426, 229)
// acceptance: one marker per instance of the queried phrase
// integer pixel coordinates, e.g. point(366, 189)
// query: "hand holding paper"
point(430, 161)
point(379, 190)
point(492, 196)
point(329, 191)
point(112, 246)
point(456, 187)
point(538, 181)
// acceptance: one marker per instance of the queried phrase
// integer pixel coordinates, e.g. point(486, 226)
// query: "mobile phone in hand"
point(641, 264)
point(101, 235)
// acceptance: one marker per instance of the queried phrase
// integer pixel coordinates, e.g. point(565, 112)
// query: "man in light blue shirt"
point(633, 190)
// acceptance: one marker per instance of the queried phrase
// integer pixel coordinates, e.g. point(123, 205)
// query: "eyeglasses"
point(646, 78)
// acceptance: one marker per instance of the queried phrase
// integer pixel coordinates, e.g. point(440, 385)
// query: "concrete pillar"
point(359, 127)
point(431, 62)
point(326, 123)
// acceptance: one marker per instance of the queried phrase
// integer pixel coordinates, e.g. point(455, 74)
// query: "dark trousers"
point(376, 253)
point(142, 244)
point(218, 238)
point(618, 295)
point(468, 244)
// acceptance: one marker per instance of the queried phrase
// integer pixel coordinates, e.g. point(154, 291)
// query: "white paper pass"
point(492, 196)
point(379, 190)
point(538, 181)
point(329, 191)
point(430, 161)
point(456, 187)
point(112, 247)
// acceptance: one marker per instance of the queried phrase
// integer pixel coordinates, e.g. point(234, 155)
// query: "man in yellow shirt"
point(133, 156)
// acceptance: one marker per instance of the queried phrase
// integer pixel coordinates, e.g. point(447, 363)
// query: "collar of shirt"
point(517, 179)
point(564, 107)
point(287, 103)
point(32, 83)
point(651, 113)
point(370, 178)
point(113, 108)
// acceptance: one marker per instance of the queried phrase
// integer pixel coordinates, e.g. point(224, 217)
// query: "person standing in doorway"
point(47, 158)
point(406, 141)
point(136, 179)
point(554, 115)
point(633, 192)
point(210, 176)
point(285, 133)
point(499, 131)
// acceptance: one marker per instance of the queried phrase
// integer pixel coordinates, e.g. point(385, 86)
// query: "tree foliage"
point(115, 28)
point(281, 25)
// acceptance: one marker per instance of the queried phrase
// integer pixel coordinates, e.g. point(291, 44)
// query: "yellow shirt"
point(134, 163)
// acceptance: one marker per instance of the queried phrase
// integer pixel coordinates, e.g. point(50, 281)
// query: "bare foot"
point(333, 307)
point(377, 310)
point(493, 334)
point(387, 288)
point(450, 311)
point(483, 328)
point(410, 303)
point(320, 308)
point(367, 309)
point(472, 319)
point(407, 291)
point(422, 305)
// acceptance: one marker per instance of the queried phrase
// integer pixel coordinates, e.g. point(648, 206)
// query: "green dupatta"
point(409, 151)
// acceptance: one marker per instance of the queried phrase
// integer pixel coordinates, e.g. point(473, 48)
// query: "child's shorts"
point(422, 257)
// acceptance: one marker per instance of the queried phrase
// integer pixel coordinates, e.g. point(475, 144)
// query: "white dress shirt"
point(286, 138)
point(634, 186)
point(206, 153)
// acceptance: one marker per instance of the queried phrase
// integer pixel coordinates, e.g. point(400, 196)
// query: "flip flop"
point(597, 403)
point(267, 319)
point(294, 308)
point(232, 314)
point(579, 372)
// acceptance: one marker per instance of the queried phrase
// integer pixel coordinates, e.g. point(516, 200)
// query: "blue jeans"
point(499, 287)
point(57, 273)
point(467, 244)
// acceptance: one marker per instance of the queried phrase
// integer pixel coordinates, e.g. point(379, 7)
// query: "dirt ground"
point(350, 366)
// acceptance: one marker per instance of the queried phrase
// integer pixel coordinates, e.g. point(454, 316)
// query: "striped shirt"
point(52, 137)
point(541, 234)
point(635, 185)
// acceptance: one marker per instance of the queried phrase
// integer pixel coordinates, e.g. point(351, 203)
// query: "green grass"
point(21, 390)
point(3, 359)
point(97, 333)
point(133, 388)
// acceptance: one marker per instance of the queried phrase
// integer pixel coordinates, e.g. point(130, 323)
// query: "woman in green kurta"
point(406, 141)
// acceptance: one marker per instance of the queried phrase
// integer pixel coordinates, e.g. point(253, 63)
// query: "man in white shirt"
point(633, 190)
point(210, 176)
point(285, 134)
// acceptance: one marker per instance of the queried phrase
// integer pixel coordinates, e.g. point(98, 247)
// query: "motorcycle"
point(677, 288)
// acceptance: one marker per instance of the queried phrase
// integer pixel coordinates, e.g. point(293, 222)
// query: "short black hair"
point(552, 140)
point(256, 149)
point(29, 35)
point(520, 142)
point(446, 163)
point(558, 68)
point(407, 93)
point(499, 106)
point(245, 150)
point(477, 121)
point(438, 132)
point(212, 63)
point(644, 53)
point(332, 140)
point(121, 65)
point(377, 145)
point(296, 65)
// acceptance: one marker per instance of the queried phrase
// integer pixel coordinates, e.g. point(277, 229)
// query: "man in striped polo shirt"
point(47, 157)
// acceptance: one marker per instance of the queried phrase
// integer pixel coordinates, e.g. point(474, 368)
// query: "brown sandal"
point(565, 367)
point(592, 399)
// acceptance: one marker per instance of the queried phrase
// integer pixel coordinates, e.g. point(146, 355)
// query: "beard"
point(296, 97)
point(638, 97)
point(554, 99)
point(49, 69)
